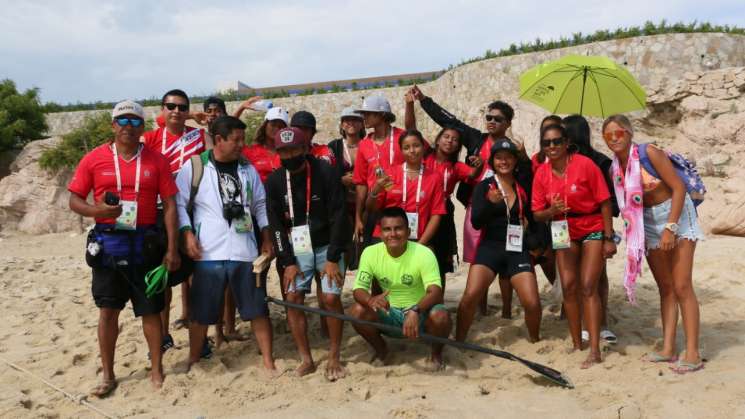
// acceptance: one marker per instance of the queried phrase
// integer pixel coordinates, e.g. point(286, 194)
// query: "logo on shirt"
point(385, 282)
point(573, 188)
point(146, 173)
point(106, 173)
point(407, 279)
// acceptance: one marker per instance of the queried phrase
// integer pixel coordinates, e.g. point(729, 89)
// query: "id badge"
point(514, 242)
point(487, 174)
point(244, 224)
point(413, 225)
point(301, 244)
point(560, 234)
point(128, 219)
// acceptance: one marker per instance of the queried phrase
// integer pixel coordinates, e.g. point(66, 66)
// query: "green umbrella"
point(591, 86)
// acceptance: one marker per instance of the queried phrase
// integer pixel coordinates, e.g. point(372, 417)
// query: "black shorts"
point(494, 256)
point(113, 287)
point(444, 242)
point(207, 292)
point(187, 264)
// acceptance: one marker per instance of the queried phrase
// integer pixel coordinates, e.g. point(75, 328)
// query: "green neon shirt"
point(407, 277)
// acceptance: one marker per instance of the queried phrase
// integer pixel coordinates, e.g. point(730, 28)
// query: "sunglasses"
point(172, 106)
point(555, 141)
point(495, 118)
point(615, 134)
point(135, 122)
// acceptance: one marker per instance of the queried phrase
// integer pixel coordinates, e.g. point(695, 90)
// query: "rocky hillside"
point(696, 106)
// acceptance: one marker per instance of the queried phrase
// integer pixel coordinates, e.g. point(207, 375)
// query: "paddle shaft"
point(541, 369)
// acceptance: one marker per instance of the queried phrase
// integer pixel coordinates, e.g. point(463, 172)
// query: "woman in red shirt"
point(413, 187)
point(261, 152)
point(570, 191)
point(444, 160)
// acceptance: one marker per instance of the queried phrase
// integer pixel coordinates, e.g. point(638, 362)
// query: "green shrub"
point(95, 130)
point(253, 121)
point(21, 116)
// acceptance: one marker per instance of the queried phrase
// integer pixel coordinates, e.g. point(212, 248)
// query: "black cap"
point(303, 119)
point(504, 144)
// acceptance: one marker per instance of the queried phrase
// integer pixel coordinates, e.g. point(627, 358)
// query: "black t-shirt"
point(229, 183)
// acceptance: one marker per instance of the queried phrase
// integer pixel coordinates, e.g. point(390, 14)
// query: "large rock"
point(33, 200)
point(731, 220)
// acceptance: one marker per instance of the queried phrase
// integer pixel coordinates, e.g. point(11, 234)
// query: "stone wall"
point(696, 106)
point(654, 60)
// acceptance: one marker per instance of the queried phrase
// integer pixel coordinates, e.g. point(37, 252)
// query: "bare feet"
point(104, 388)
point(592, 359)
point(334, 370)
point(381, 357)
point(307, 367)
point(436, 363)
point(156, 378)
point(270, 373)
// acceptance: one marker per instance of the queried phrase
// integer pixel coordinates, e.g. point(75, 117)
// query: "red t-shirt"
point(192, 144)
point(371, 155)
point(431, 198)
point(451, 173)
point(534, 163)
point(583, 189)
point(323, 152)
point(96, 171)
point(264, 160)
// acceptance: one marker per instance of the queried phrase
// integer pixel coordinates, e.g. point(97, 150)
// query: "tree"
point(21, 116)
point(96, 130)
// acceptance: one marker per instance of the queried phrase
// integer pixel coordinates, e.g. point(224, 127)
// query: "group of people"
point(215, 211)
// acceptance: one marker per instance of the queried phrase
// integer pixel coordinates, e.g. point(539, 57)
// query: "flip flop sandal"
point(104, 388)
point(682, 367)
point(655, 357)
point(166, 344)
point(608, 336)
point(206, 351)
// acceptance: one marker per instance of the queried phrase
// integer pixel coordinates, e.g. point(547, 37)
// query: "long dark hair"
point(555, 120)
point(411, 133)
point(562, 131)
point(578, 133)
point(260, 137)
point(454, 156)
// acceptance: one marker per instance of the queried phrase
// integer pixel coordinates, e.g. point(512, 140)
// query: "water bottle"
point(262, 105)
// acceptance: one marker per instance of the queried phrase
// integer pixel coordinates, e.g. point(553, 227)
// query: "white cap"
point(375, 103)
point(349, 112)
point(277, 113)
point(128, 107)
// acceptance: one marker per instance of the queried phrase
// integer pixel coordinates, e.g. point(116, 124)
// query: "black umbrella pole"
point(548, 372)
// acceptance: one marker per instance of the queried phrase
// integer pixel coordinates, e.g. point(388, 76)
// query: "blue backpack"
point(685, 170)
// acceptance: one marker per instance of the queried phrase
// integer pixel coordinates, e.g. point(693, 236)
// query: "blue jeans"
point(656, 217)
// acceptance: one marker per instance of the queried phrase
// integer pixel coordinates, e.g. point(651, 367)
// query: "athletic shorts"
point(309, 265)
point(113, 287)
point(494, 256)
point(396, 317)
point(207, 292)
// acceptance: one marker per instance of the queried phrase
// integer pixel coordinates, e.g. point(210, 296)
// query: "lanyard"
point(118, 174)
point(163, 146)
point(346, 152)
point(566, 179)
point(307, 196)
point(506, 203)
point(418, 186)
point(390, 148)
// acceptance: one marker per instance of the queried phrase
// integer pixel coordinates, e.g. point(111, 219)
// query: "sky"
point(85, 50)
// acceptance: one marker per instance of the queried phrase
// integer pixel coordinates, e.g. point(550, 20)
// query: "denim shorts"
point(309, 265)
point(396, 317)
point(207, 291)
point(655, 218)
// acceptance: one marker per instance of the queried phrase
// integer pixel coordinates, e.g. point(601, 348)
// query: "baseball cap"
point(375, 103)
point(303, 119)
point(289, 137)
point(504, 144)
point(128, 107)
point(277, 113)
point(349, 112)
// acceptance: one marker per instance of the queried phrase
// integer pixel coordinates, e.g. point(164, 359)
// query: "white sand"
point(49, 327)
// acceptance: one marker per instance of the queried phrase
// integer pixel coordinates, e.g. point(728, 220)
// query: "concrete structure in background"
point(336, 85)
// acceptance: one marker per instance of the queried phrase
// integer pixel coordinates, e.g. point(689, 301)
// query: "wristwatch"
point(673, 227)
point(610, 238)
point(414, 308)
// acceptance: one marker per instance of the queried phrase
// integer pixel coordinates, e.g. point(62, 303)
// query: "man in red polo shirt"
point(126, 178)
point(376, 153)
point(177, 143)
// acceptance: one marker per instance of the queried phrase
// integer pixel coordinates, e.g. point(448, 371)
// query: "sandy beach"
point(49, 328)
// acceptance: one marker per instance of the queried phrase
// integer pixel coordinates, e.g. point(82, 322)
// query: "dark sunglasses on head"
point(496, 118)
point(135, 122)
point(555, 141)
point(172, 106)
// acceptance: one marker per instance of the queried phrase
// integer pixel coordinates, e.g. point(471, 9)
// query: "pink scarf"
point(628, 189)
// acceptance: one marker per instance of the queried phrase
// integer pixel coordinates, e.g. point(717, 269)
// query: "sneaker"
point(206, 350)
point(608, 336)
point(585, 336)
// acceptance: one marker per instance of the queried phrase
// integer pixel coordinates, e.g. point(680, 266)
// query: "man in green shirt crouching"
point(408, 274)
